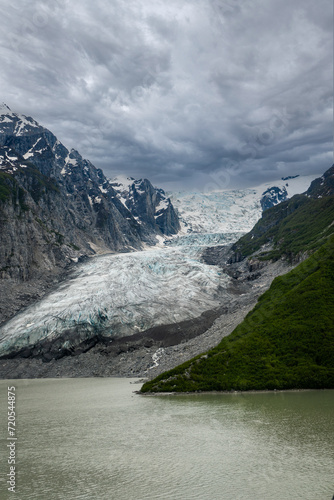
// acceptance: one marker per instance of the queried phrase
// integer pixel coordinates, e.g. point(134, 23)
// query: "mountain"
point(147, 204)
point(117, 311)
point(284, 189)
point(322, 186)
point(273, 196)
point(56, 207)
point(287, 340)
point(293, 227)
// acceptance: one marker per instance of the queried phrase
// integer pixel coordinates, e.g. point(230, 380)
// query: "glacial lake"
point(97, 439)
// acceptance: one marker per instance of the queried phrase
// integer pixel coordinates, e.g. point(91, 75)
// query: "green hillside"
point(297, 225)
point(301, 224)
point(285, 342)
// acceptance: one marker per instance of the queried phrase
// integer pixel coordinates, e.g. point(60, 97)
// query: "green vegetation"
point(6, 186)
point(9, 188)
point(39, 183)
point(75, 247)
point(285, 342)
point(298, 225)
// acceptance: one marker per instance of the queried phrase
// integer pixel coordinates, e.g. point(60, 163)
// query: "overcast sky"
point(203, 94)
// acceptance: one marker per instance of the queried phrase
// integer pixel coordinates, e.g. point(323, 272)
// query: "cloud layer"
point(190, 94)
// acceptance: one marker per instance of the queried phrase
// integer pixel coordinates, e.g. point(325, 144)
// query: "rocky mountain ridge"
point(148, 205)
point(272, 196)
point(57, 208)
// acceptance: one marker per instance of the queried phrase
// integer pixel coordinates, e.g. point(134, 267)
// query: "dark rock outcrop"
point(272, 196)
point(147, 204)
point(322, 186)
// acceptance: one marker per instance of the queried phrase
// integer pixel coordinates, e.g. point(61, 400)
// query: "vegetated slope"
point(285, 342)
point(298, 225)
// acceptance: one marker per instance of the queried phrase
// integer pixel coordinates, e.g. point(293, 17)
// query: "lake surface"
point(96, 439)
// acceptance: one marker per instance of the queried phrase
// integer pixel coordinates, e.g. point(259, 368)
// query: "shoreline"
point(226, 393)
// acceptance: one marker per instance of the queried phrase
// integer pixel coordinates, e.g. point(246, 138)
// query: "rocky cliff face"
point(56, 207)
point(322, 186)
point(148, 205)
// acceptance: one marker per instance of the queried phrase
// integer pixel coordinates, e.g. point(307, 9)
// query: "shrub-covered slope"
point(285, 342)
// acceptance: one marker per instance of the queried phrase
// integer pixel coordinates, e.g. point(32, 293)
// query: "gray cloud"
point(190, 94)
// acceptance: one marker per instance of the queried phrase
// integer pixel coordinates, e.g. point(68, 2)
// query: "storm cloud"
point(203, 94)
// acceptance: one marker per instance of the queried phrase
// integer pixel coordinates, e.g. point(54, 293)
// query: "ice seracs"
point(233, 210)
point(118, 295)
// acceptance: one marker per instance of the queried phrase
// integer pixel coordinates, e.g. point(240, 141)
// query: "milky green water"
point(95, 439)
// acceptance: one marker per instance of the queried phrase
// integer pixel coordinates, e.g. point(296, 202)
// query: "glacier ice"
point(118, 295)
point(230, 210)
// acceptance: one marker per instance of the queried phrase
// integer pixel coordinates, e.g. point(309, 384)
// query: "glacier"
point(117, 295)
point(229, 210)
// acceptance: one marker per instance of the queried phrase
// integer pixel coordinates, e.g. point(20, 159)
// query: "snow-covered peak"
point(122, 183)
point(148, 205)
point(293, 184)
point(127, 186)
point(283, 189)
point(16, 123)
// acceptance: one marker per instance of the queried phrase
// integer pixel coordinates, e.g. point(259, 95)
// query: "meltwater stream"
point(119, 295)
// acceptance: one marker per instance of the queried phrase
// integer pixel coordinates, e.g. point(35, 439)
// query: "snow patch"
point(163, 205)
point(102, 188)
point(122, 183)
point(30, 152)
point(71, 161)
point(156, 357)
